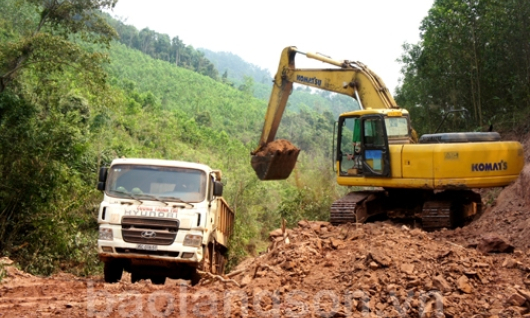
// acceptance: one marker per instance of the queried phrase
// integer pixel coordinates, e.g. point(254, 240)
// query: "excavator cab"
point(362, 146)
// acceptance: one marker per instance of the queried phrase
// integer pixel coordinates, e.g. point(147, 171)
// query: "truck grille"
point(149, 231)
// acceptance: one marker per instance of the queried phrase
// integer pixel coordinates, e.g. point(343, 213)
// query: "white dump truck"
point(162, 218)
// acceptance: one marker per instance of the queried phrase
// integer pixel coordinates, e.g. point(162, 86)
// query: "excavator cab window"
point(374, 146)
point(362, 146)
point(349, 146)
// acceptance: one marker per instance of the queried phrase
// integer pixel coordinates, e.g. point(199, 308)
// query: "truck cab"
point(162, 218)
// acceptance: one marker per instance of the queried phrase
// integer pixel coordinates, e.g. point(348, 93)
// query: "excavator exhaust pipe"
point(275, 161)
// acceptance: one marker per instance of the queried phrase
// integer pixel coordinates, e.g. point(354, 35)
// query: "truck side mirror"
point(102, 178)
point(103, 174)
point(217, 189)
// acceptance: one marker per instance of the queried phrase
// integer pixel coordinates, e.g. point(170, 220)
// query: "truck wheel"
point(206, 263)
point(195, 277)
point(136, 277)
point(158, 280)
point(112, 271)
point(220, 261)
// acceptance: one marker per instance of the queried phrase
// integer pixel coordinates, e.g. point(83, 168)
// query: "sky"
point(369, 31)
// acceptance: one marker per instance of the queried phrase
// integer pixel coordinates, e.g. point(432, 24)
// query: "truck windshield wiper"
point(129, 195)
point(150, 196)
point(177, 200)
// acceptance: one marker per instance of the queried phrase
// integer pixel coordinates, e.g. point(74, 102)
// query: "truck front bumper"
point(141, 253)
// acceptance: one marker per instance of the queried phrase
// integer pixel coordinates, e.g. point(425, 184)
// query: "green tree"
point(50, 80)
point(248, 85)
point(472, 55)
point(46, 45)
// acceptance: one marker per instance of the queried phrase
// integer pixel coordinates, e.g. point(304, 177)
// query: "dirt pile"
point(314, 270)
point(281, 145)
point(384, 270)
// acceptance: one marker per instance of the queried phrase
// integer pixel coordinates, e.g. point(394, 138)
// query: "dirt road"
point(315, 270)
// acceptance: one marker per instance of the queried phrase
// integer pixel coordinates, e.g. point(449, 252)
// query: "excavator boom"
point(275, 160)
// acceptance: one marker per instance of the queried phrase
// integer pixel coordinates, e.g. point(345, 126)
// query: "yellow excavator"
point(428, 180)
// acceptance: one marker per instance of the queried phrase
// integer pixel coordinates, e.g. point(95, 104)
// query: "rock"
point(358, 294)
point(414, 282)
point(516, 300)
point(441, 284)
point(288, 265)
point(407, 268)
point(246, 280)
point(428, 284)
point(509, 263)
point(491, 243)
point(519, 310)
point(391, 288)
point(304, 224)
point(354, 235)
point(276, 233)
point(315, 227)
point(336, 243)
point(464, 285)
point(524, 293)
point(380, 306)
point(381, 259)
point(5, 261)
point(359, 266)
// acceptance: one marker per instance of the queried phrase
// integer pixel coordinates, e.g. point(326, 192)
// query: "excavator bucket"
point(275, 161)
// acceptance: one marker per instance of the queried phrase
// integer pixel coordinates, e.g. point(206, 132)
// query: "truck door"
point(374, 146)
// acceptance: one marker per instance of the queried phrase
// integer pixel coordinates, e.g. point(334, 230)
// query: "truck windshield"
point(164, 183)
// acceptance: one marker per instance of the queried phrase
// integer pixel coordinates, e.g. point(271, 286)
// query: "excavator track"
point(354, 207)
point(436, 215)
point(436, 211)
point(343, 211)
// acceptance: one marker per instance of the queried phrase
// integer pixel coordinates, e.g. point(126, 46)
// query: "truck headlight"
point(192, 240)
point(106, 234)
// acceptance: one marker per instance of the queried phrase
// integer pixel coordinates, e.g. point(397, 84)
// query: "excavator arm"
point(350, 78)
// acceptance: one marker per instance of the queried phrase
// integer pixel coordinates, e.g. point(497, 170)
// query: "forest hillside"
point(98, 99)
point(226, 67)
